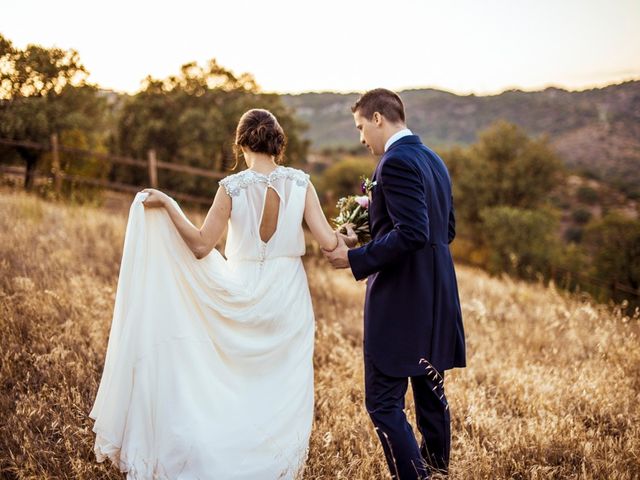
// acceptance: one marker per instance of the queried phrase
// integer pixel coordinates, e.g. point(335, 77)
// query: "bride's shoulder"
point(300, 176)
point(234, 182)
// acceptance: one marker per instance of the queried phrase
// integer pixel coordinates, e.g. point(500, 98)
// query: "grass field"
point(552, 389)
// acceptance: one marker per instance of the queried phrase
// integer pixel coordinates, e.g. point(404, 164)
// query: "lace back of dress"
point(267, 209)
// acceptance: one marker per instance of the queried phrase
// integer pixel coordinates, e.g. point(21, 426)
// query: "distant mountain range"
point(595, 131)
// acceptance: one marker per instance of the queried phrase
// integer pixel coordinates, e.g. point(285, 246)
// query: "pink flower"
point(363, 201)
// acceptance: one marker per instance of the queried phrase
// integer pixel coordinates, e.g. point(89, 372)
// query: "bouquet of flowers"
point(354, 210)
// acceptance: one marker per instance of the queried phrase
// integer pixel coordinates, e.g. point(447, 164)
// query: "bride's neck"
point(260, 162)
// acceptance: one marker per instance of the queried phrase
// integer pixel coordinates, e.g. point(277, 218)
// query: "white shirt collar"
point(396, 136)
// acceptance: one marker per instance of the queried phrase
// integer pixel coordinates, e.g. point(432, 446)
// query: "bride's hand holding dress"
point(155, 199)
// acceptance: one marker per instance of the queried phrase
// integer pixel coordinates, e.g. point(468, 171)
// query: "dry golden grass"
point(551, 390)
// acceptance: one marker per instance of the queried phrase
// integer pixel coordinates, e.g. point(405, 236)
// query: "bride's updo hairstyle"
point(259, 131)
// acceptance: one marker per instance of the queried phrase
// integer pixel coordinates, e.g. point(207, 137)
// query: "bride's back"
point(266, 214)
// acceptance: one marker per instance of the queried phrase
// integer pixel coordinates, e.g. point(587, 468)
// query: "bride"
point(208, 371)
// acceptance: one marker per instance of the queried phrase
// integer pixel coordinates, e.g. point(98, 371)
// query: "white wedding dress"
point(208, 372)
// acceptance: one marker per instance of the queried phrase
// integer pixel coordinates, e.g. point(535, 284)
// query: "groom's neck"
point(391, 130)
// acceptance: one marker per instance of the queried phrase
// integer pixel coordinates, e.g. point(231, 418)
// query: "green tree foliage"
point(190, 118)
point(522, 241)
point(614, 243)
point(581, 215)
point(587, 195)
point(505, 218)
point(573, 234)
point(507, 222)
point(505, 167)
point(44, 91)
point(79, 164)
point(342, 179)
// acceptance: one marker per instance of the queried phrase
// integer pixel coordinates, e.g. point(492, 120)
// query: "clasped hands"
point(338, 257)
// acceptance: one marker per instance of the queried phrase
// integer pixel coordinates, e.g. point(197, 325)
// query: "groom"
point(412, 318)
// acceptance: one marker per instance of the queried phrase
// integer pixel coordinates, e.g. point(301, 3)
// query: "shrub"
point(587, 195)
point(343, 177)
point(581, 216)
point(520, 241)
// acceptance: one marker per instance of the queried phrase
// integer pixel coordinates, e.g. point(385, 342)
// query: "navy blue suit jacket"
point(412, 309)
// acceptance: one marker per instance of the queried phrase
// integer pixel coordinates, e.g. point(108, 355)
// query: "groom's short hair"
point(387, 103)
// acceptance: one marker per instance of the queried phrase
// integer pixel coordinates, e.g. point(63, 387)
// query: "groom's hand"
point(338, 257)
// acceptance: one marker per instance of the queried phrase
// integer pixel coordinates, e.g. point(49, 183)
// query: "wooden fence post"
point(153, 168)
point(55, 164)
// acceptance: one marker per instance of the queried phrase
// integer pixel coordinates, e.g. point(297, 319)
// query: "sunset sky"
point(464, 46)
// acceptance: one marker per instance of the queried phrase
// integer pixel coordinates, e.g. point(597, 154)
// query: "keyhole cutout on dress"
point(270, 211)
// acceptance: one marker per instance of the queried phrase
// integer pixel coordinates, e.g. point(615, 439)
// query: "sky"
point(295, 46)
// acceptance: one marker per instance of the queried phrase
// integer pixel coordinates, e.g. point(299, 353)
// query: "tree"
point(343, 177)
point(522, 242)
point(44, 91)
point(500, 192)
point(614, 244)
point(191, 118)
point(504, 167)
point(79, 164)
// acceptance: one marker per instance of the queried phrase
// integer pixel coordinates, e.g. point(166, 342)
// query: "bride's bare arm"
point(317, 222)
point(202, 240)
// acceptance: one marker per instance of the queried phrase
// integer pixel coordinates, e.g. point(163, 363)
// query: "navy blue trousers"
point(384, 400)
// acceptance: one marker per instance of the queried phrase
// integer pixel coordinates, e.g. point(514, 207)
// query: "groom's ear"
point(377, 118)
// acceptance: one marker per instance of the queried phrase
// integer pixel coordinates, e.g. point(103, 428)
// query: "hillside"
point(595, 131)
point(550, 390)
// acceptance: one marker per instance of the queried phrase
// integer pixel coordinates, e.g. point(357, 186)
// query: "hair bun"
point(259, 130)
